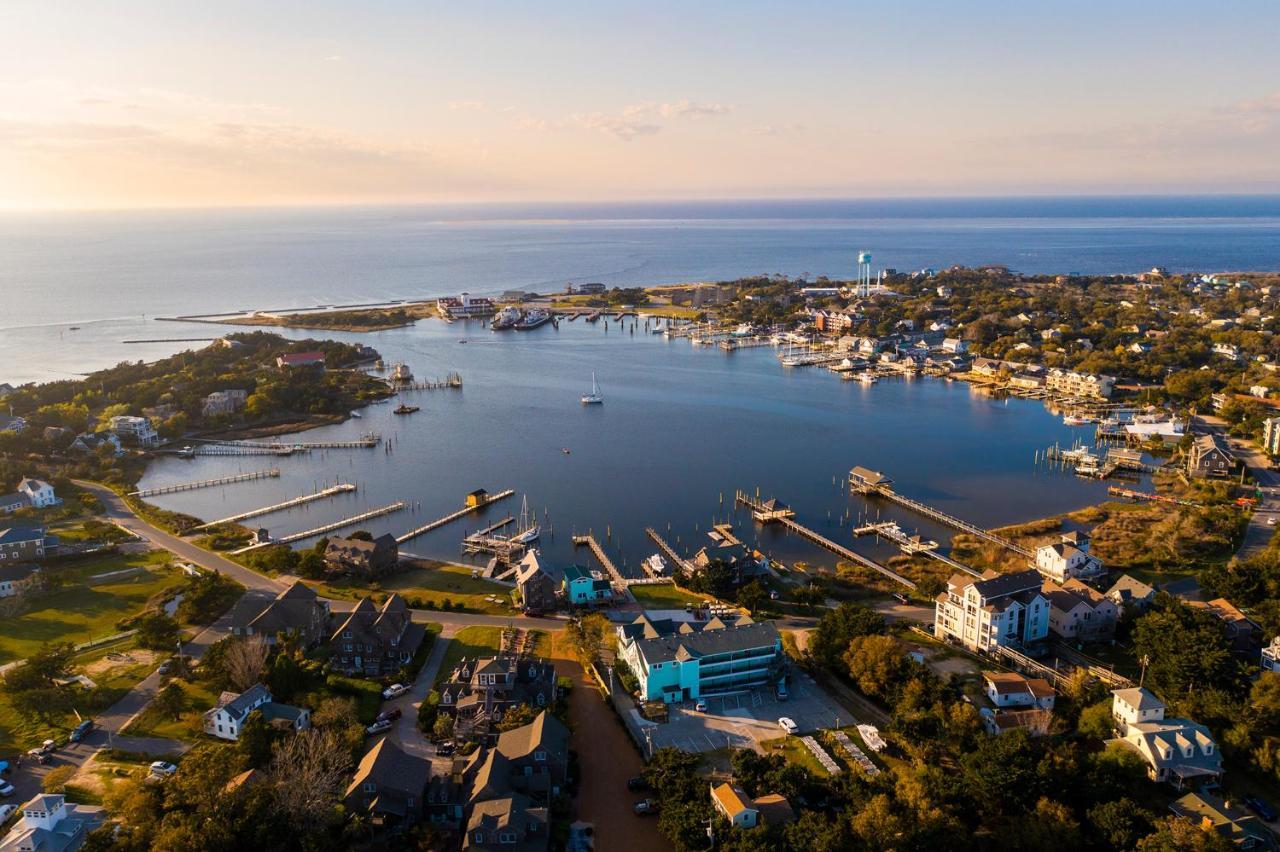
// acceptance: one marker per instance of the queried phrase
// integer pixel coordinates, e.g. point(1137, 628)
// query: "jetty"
point(364, 442)
point(603, 558)
point(667, 550)
point(206, 483)
point(239, 450)
point(331, 491)
point(912, 545)
point(476, 501)
point(1146, 495)
point(318, 531)
point(771, 511)
point(453, 380)
point(870, 482)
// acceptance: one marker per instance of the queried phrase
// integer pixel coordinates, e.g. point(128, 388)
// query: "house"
point(1210, 456)
point(1271, 435)
point(38, 492)
point(389, 785)
point(1227, 350)
point(375, 642)
point(524, 772)
point(1079, 612)
point(297, 611)
point(591, 288)
point(465, 305)
point(1241, 632)
point(9, 423)
point(1027, 381)
point(998, 609)
point(1071, 383)
point(682, 661)
point(955, 345)
point(1269, 659)
point(510, 823)
point(91, 442)
point(536, 584)
point(225, 720)
point(483, 690)
point(1177, 751)
point(50, 824)
point(581, 586)
point(21, 543)
point(1260, 391)
point(362, 558)
point(223, 402)
point(734, 805)
point(1239, 827)
point(774, 809)
point(1010, 689)
point(1130, 591)
point(16, 579)
point(15, 502)
point(137, 429)
point(743, 563)
point(301, 359)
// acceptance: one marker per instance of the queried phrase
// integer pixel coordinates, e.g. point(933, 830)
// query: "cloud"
point(692, 109)
point(625, 127)
point(528, 121)
point(647, 118)
point(779, 129)
point(467, 106)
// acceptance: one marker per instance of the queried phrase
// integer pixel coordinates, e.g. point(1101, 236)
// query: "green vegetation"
point(478, 641)
point(180, 718)
point(666, 597)
point(430, 585)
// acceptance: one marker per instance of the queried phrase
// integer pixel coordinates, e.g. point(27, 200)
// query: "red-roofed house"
point(301, 359)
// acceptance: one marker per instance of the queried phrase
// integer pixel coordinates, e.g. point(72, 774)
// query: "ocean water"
point(681, 428)
point(112, 274)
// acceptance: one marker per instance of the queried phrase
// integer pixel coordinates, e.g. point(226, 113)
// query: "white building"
point(1178, 751)
point(466, 305)
point(1010, 689)
point(955, 345)
point(997, 610)
point(1271, 435)
point(137, 428)
point(1067, 558)
point(226, 720)
point(38, 492)
point(223, 402)
point(1071, 383)
point(734, 805)
point(1271, 656)
point(1227, 350)
point(49, 824)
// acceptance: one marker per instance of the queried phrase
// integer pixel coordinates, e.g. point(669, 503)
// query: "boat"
point(406, 409)
point(463, 340)
point(743, 330)
point(74, 328)
point(505, 319)
point(356, 414)
point(401, 373)
point(657, 565)
point(867, 378)
point(1077, 420)
point(533, 319)
point(595, 397)
point(565, 450)
point(528, 531)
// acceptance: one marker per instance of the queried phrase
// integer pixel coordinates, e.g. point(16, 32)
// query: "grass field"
point(479, 641)
point(85, 608)
point(795, 752)
point(429, 586)
point(199, 698)
point(666, 597)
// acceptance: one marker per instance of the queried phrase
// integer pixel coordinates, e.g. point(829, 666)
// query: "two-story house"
point(375, 642)
point(137, 429)
point(998, 609)
point(1066, 558)
point(389, 785)
point(1176, 751)
point(1210, 456)
point(583, 587)
point(22, 543)
point(484, 689)
point(227, 718)
point(1078, 612)
point(368, 559)
point(536, 584)
point(50, 824)
point(38, 492)
point(297, 611)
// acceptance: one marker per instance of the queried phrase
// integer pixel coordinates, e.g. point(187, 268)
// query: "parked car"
point(379, 727)
point(82, 730)
point(5, 767)
point(780, 691)
point(38, 755)
point(1261, 807)
point(6, 789)
point(48, 746)
point(395, 690)
point(637, 784)
point(161, 768)
point(6, 811)
point(789, 725)
point(389, 715)
point(445, 749)
point(645, 807)
point(901, 598)
point(701, 706)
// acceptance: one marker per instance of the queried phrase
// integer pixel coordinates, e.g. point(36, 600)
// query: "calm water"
point(679, 428)
point(112, 274)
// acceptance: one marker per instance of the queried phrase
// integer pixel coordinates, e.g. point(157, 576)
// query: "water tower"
point(864, 274)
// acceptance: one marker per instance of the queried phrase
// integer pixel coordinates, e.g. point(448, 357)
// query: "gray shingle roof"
point(706, 640)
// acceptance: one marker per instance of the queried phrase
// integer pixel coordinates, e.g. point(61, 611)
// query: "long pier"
point(453, 380)
point(206, 483)
point(237, 450)
point(333, 490)
point(870, 482)
point(365, 442)
point(450, 518)
point(603, 558)
point(769, 514)
point(913, 545)
point(345, 522)
point(667, 550)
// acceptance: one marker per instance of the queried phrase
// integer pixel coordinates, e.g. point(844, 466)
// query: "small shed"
point(477, 498)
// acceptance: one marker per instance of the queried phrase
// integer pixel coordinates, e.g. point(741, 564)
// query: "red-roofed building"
point(465, 305)
point(301, 359)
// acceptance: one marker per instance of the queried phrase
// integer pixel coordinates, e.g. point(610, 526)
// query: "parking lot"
point(748, 718)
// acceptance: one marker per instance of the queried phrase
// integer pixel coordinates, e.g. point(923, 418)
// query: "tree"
point(157, 631)
point(286, 677)
point(753, 596)
point(244, 661)
point(516, 716)
point(171, 700)
point(1185, 648)
point(335, 712)
point(875, 663)
point(836, 629)
point(309, 771)
point(1120, 823)
point(1095, 721)
point(443, 727)
point(256, 739)
point(1178, 834)
point(1000, 773)
point(586, 636)
point(56, 780)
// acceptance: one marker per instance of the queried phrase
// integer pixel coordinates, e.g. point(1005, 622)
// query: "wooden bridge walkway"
point(344, 488)
point(450, 518)
point(206, 483)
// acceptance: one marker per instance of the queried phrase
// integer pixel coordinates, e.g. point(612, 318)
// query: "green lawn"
point(795, 752)
point(479, 641)
point(199, 698)
point(85, 608)
point(430, 586)
point(666, 597)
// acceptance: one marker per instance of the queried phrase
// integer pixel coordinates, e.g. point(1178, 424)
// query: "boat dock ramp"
point(476, 501)
point(206, 483)
point(870, 482)
point(364, 442)
point(771, 511)
point(331, 491)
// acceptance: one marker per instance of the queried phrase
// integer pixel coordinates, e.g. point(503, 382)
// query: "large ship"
point(506, 318)
point(533, 319)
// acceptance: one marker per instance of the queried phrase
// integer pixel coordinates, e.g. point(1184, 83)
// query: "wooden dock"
point(676, 560)
point(450, 518)
point(235, 450)
point(336, 525)
point(331, 491)
point(365, 442)
point(603, 558)
point(1146, 495)
point(453, 380)
point(206, 483)
point(744, 343)
point(725, 531)
point(913, 545)
point(871, 482)
point(763, 513)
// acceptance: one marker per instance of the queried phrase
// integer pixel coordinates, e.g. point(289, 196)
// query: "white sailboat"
point(528, 532)
point(593, 398)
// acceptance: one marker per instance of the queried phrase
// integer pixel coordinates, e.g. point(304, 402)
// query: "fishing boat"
point(406, 409)
point(357, 415)
point(595, 397)
point(528, 531)
point(533, 319)
point(505, 319)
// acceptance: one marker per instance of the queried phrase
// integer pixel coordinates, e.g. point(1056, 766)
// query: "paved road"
point(1258, 534)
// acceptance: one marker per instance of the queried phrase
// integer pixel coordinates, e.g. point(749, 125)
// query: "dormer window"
point(539, 755)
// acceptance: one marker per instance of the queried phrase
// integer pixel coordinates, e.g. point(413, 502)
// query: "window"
point(479, 837)
point(539, 755)
point(506, 837)
point(369, 787)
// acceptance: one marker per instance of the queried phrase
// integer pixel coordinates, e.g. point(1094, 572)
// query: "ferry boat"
point(406, 409)
point(595, 397)
point(533, 319)
point(657, 565)
point(528, 531)
point(401, 373)
point(506, 318)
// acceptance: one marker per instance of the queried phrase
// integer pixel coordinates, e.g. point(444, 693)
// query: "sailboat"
point(593, 398)
point(528, 531)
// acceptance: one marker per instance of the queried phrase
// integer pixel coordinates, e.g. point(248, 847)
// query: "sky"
point(189, 104)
